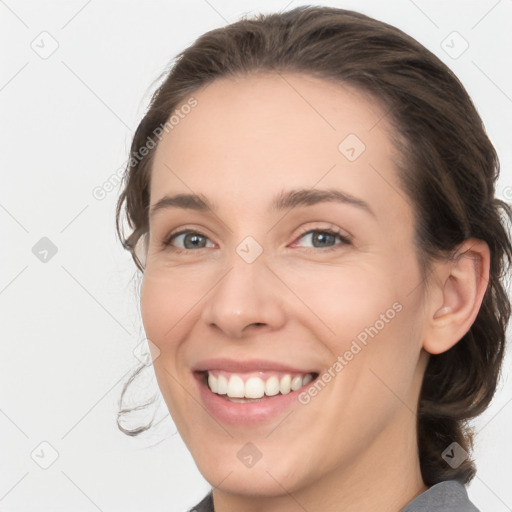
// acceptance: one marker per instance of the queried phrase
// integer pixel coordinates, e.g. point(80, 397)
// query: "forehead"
point(273, 131)
point(290, 107)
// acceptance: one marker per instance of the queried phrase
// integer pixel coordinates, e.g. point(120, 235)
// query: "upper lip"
point(250, 365)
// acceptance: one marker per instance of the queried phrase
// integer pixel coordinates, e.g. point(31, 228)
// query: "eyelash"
point(329, 231)
point(167, 243)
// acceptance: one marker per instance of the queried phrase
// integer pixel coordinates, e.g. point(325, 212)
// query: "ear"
point(457, 287)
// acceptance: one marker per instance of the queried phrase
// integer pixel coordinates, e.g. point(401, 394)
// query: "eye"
point(185, 240)
point(317, 238)
point(324, 238)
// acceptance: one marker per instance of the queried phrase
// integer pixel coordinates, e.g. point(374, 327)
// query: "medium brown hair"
point(448, 169)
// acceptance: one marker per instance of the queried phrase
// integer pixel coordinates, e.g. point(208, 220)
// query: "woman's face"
point(297, 262)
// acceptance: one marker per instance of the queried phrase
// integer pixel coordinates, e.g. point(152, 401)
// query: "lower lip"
point(247, 413)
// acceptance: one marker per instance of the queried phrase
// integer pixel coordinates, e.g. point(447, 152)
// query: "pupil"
point(194, 239)
point(323, 239)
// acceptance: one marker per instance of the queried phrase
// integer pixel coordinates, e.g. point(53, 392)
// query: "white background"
point(69, 326)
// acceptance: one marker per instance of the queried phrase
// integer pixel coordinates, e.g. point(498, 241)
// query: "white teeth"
point(236, 388)
point(272, 386)
point(285, 385)
point(222, 385)
point(212, 382)
point(307, 379)
point(296, 383)
point(255, 387)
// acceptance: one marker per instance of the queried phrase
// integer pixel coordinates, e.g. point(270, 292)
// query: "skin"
point(353, 446)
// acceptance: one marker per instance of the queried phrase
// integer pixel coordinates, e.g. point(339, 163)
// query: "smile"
point(249, 393)
point(255, 385)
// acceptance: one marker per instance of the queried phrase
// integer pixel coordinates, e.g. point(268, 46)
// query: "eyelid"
point(168, 239)
point(186, 228)
point(344, 236)
point(331, 228)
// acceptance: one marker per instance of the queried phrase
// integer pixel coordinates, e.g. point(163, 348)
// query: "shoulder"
point(447, 496)
point(205, 505)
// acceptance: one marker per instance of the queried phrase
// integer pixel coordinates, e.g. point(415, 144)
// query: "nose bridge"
point(245, 294)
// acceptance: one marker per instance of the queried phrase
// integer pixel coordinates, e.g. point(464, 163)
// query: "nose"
point(247, 298)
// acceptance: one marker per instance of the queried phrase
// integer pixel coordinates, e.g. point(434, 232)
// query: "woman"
point(311, 202)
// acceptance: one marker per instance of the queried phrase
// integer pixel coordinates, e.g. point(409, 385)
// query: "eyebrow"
point(283, 201)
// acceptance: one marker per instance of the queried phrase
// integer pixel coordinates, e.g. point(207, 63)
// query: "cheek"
point(343, 300)
point(366, 314)
point(157, 305)
point(168, 307)
point(168, 304)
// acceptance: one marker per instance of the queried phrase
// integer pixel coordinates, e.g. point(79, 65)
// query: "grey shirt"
point(448, 496)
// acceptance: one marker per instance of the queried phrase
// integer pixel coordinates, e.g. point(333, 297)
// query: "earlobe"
point(461, 284)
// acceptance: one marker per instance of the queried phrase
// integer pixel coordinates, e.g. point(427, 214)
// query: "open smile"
point(250, 397)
